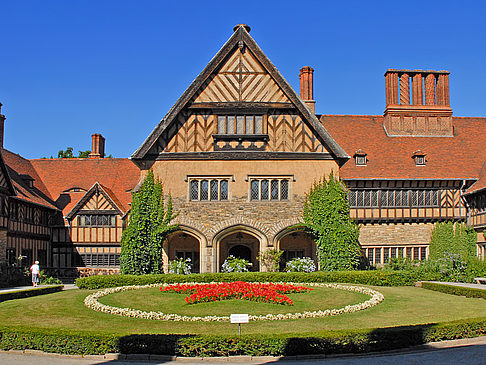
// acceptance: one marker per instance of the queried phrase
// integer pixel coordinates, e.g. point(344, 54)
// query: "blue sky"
point(72, 68)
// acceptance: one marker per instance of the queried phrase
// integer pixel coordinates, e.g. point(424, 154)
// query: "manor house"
point(238, 151)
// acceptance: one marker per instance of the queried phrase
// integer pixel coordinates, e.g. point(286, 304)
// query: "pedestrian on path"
point(35, 273)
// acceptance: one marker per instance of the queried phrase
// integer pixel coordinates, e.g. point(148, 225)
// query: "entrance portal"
point(241, 245)
point(297, 244)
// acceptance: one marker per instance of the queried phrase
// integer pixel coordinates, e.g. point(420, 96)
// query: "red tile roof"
point(18, 166)
point(458, 157)
point(118, 175)
point(480, 184)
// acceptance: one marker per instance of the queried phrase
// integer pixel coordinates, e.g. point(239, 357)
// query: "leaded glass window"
point(275, 189)
point(255, 190)
point(223, 189)
point(214, 190)
point(240, 124)
point(208, 189)
point(269, 189)
point(284, 189)
point(264, 185)
point(203, 193)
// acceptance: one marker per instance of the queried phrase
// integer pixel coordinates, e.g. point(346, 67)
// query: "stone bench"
point(480, 280)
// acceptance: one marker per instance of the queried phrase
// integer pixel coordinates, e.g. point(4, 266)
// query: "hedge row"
point(456, 290)
point(26, 293)
point(346, 341)
point(378, 278)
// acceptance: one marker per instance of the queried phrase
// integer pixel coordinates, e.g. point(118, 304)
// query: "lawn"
point(152, 299)
point(402, 306)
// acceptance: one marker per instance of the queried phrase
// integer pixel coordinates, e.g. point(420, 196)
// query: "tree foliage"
point(326, 216)
point(148, 226)
point(452, 238)
point(68, 153)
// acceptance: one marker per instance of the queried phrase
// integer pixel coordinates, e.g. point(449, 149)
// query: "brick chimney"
point(307, 87)
point(97, 146)
point(420, 110)
point(2, 126)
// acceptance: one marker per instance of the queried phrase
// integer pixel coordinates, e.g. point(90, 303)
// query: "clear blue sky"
point(72, 68)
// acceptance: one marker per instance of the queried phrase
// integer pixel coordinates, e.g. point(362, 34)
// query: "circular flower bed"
point(257, 292)
point(91, 301)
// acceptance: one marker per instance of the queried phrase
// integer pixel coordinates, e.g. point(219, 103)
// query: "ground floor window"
point(11, 257)
point(381, 255)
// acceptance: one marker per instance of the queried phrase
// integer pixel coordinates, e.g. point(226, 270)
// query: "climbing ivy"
point(452, 238)
point(148, 226)
point(326, 216)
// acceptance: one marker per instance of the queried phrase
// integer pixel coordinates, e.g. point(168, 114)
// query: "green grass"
point(402, 306)
point(152, 299)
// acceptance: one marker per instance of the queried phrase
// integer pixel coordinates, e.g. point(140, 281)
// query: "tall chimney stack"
point(2, 126)
point(307, 87)
point(97, 146)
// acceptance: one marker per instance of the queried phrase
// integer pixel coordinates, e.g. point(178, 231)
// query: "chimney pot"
point(97, 146)
point(307, 87)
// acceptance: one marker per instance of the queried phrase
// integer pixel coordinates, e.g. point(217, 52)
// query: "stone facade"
point(395, 234)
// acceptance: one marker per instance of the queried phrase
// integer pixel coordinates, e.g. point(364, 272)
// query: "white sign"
point(239, 318)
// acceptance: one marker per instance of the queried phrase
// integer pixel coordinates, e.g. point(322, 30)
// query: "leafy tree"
point(84, 154)
point(68, 153)
point(148, 226)
point(452, 238)
point(326, 216)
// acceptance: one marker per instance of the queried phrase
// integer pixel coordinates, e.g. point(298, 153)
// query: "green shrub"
point(326, 216)
point(452, 238)
point(378, 278)
point(456, 290)
point(326, 342)
point(32, 292)
point(148, 226)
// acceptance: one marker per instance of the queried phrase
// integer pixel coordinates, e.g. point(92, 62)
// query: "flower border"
point(91, 301)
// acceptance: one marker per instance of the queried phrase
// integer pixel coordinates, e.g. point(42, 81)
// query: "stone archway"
point(242, 245)
point(183, 244)
point(295, 243)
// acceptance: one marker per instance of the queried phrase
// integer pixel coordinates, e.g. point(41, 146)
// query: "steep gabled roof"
point(117, 175)
point(6, 185)
point(457, 157)
point(20, 170)
point(97, 188)
point(241, 37)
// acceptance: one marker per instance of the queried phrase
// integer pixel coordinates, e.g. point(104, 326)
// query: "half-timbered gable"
point(239, 103)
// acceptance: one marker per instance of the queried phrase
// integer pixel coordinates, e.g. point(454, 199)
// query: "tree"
point(65, 154)
point(84, 154)
point(326, 216)
point(148, 226)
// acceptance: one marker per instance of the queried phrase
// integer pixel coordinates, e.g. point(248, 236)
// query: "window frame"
point(269, 180)
point(221, 179)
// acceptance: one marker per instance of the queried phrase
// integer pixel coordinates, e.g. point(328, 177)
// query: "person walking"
point(35, 273)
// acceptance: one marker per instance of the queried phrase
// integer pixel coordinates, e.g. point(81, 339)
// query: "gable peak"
point(244, 26)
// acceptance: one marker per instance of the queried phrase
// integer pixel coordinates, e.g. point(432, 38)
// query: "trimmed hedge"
point(26, 293)
point(456, 290)
point(377, 278)
point(345, 341)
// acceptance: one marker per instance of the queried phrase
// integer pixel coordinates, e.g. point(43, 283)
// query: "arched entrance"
point(296, 244)
point(182, 245)
point(241, 245)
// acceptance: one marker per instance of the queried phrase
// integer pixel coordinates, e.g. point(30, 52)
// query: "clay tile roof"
point(20, 170)
point(118, 176)
point(458, 157)
point(479, 185)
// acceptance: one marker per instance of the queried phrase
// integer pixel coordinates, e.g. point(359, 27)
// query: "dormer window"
point(360, 158)
point(28, 180)
point(419, 158)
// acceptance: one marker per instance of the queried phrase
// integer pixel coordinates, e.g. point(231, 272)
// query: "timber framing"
point(241, 37)
point(96, 188)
